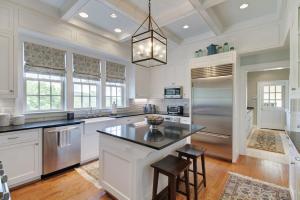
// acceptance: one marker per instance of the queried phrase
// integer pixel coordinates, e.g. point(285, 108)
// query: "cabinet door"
point(90, 142)
point(6, 65)
point(21, 162)
point(142, 82)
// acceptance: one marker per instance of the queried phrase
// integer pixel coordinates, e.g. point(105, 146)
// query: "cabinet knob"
point(293, 89)
point(36, 144)
point(11, 91)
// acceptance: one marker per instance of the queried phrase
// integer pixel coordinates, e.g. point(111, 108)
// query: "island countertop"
point(167, 134)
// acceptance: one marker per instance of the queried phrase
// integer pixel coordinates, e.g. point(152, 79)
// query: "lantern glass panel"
point(159, 50)
point(159, 37)
point(142, 49)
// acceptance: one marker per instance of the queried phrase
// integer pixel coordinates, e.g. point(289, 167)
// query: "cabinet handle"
point(36, 144)
point(293, 89)
point(292, 163)
point(12, 138)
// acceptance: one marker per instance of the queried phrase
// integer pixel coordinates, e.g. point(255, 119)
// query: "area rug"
point(90, 172)
point(268, 140)
point(240, 187)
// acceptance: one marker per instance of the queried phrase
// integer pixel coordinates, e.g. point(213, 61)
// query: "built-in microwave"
point(174, 92)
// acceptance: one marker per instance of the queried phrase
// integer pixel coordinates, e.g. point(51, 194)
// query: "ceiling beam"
point(137, 15)
point(71, 8)
point(208, 16)
point(210, 3)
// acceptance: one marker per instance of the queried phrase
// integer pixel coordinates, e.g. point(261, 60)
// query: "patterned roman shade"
point(43, 59)
point(115, 72)
point(86, 67)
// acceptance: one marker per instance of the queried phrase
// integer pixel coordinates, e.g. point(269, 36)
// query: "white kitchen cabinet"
point(90, 136)
point(142, 82)
point(21, 155)
point(294, 171)
point(6, 65)
point(249, 122)
point(295, 52)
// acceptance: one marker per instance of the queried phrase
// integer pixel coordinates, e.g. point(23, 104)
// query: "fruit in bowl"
point(154, 121)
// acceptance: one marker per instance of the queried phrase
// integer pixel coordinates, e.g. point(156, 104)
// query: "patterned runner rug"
point(240, 187)
point(268, 140)
point(90, 172)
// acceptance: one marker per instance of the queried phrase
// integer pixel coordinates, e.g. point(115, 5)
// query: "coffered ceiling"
point(197, 16)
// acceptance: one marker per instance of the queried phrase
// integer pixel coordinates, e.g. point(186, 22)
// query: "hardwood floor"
point(71, 185)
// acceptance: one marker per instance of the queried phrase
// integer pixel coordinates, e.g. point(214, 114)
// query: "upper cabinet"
point(295, 53)
point(139, 82)
point(6, 65)
point(7, 84)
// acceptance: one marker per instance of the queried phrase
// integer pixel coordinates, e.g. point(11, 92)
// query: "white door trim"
point(259, 97)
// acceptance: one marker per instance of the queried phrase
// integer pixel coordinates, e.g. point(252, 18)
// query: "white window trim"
point(46, 80)
point(98, 96)
point(123, 90)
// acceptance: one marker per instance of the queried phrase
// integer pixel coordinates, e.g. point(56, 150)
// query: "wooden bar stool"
point(172, 167)
point(193, 153)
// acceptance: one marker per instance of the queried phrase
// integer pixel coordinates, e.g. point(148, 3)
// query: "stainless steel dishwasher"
point(61, 147)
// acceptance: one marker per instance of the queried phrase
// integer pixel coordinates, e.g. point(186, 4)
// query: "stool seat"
point(171, 165)
point(191, 151)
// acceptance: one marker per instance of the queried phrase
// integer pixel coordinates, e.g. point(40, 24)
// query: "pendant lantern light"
point(149, 48)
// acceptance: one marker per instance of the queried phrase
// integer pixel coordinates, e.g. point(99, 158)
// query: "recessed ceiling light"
point(243, 6)
point(114, 15)
point(117, 30)
point(185, 26)
point(83, 15)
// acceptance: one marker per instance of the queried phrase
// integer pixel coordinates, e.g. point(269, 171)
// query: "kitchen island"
point(126, 152)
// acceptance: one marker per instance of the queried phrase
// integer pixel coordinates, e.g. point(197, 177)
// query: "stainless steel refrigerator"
point(212, 107)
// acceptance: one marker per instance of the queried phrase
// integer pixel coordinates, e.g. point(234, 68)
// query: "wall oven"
point(174, 92)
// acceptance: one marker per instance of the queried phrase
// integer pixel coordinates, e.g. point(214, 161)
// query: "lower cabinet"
point(90, 136)
point(21, 155)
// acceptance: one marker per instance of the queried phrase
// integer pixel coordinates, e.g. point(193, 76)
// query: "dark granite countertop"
point(295, 137)
point(167, 134)
point(44, 124)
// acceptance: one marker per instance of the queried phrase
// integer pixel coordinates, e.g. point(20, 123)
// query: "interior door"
point(272, 101)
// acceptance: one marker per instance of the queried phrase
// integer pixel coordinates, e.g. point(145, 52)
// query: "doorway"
point(272, 97)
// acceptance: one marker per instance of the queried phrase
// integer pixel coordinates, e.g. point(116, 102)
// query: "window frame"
point(123, 91)
point(282, 99)
point(98, 96)
point(62, 95)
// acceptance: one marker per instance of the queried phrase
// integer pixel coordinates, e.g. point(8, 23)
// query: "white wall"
point(245, 41)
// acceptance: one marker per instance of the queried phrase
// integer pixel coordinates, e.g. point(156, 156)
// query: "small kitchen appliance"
point(175, 110)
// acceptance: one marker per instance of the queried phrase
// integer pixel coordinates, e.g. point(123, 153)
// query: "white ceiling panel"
point(99, 16)
point(54, 3)
point(196, 26)
point(158, 7)
point(230, 13)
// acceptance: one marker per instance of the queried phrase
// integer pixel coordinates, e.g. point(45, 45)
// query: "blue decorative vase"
point(212, 49)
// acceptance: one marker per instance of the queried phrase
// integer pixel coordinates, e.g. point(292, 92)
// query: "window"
point(114, 94)
point(44, 92)
point(85, 93)
point(273, 96)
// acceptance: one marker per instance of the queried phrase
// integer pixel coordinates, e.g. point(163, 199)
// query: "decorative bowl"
point(154, 121)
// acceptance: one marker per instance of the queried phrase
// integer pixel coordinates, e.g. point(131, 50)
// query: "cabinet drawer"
point(19, 137)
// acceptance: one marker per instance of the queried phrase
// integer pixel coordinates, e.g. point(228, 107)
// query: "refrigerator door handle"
point(214, 135)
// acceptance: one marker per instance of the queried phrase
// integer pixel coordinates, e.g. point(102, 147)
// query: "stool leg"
point(187, 183)
point(178, 178)
point(203, 169)
point(172, 187)
point(155, 183)
point(195, 170)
